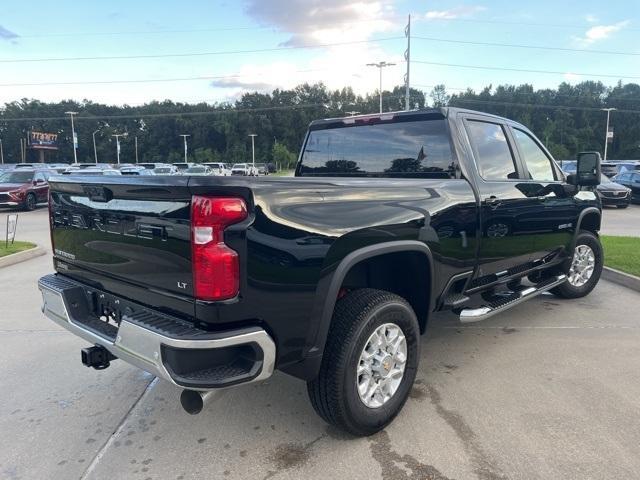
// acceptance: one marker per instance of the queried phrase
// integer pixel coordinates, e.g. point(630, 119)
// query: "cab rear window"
point(419, 148)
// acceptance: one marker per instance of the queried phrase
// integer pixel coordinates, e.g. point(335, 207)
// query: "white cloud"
point(7, 34)
point(317, 22)
point(591, 18)
point(323, 21)
point(453, 13)
point(572, 77)
point(601, 32)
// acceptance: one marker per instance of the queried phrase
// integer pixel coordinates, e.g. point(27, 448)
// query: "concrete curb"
point(22, 256)
point(621, 278)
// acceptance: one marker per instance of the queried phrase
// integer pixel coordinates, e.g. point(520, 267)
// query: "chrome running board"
point(469, 315)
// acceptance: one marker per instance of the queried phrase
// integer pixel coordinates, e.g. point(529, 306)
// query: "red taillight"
point(216, 271)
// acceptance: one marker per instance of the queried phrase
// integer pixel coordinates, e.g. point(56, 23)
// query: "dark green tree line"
point(568, 119)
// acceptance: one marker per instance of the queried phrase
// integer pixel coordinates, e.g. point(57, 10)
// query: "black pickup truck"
point(330, 276)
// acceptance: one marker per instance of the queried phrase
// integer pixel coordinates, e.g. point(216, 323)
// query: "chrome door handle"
point(492, 201)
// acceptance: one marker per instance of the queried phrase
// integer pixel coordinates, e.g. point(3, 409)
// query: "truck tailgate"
point(136, 231)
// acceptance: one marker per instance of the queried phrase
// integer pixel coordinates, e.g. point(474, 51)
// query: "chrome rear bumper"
point(152, 341)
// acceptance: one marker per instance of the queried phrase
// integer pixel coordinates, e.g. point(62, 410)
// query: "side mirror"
point(587, 170)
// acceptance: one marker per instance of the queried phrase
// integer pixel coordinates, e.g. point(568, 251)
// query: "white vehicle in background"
point(245, 169)
point(199, 170)
point(166, 169)
point(218, 168)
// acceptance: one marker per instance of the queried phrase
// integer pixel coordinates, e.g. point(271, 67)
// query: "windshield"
point(16, 177)
point(240, 165)
point(604, 179)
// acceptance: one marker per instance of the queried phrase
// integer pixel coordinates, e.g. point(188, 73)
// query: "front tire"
point(30, 202)
point(585, 268)
point(369, 363)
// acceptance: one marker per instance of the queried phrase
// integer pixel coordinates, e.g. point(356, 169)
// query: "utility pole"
point(253, 149)
point(1, 153)
point(606, 135)
point(185, 145)
point(136, 140)
point(95, 150)
point(75, 139)
point(407, 57)
point(118, 135)
point(380, 66)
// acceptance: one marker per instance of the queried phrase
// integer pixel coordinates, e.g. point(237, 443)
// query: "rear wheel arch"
point(348, 269)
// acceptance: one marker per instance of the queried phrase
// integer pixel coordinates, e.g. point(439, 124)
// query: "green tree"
point(282, 157)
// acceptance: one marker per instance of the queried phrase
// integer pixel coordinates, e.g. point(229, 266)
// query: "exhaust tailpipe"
point(194, 402)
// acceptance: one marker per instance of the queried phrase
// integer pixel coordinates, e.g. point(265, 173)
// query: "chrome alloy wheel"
point(582, 266)
point(381, 366)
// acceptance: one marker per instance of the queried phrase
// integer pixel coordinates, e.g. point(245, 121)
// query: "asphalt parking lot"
point(549, 389)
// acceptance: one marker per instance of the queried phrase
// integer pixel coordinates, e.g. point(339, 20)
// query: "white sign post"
point(12, 224)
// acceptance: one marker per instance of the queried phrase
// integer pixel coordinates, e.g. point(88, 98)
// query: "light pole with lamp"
point(606, 135)
point(73, 135)
point(118, 135)
point(253, 151)
point(380, 66)
point(183, 135)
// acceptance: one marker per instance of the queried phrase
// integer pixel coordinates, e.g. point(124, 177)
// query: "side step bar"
point(481, 313)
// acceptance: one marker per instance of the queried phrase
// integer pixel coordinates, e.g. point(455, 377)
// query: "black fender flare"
point(329, 286)
point(583, 213)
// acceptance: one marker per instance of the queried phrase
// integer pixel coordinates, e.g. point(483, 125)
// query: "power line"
point(522, 70)
point(532, 47)
point(229, 110)
point(536, 105)
point(193, 54)
point(553, 93)
point(524, 24)
point(145, 80)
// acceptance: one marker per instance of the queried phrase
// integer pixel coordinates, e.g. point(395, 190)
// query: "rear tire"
point(587, 246)
point(340, 393)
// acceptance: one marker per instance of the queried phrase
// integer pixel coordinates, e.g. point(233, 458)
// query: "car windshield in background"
point(16, 177)
point(404, 148)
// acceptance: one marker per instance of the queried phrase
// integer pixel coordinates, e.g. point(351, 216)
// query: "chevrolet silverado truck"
point(329, 276)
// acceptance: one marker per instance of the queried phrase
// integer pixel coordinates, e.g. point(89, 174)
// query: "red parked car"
point(24, 188)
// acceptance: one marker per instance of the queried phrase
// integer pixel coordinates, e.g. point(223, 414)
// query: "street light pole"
point(136, 140)
point(606, 134)
point(185, 145)
point(253, 149)
point(380, 66)
point(95, 151)
point(118, 135)
point(73, 135)
point(1, 152)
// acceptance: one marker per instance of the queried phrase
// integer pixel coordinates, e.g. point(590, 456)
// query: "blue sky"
point(364, 29)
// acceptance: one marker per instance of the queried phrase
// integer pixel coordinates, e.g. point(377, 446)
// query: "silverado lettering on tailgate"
point(111, 223)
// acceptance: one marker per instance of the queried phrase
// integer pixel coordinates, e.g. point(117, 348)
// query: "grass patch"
point(14, 247)
point(283, 173)
point(622, 253)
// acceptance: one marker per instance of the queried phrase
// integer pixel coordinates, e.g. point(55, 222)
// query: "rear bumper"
point(165, 346)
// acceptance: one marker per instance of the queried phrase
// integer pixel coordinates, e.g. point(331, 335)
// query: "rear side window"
point(419, 148)
point(537, 163)
point(493, 155)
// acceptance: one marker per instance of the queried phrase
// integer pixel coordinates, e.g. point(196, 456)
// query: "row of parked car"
point(25, 185)
point(620, 181)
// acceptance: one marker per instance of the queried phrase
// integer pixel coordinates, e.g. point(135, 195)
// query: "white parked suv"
point(218, 168)
point(245, 169)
